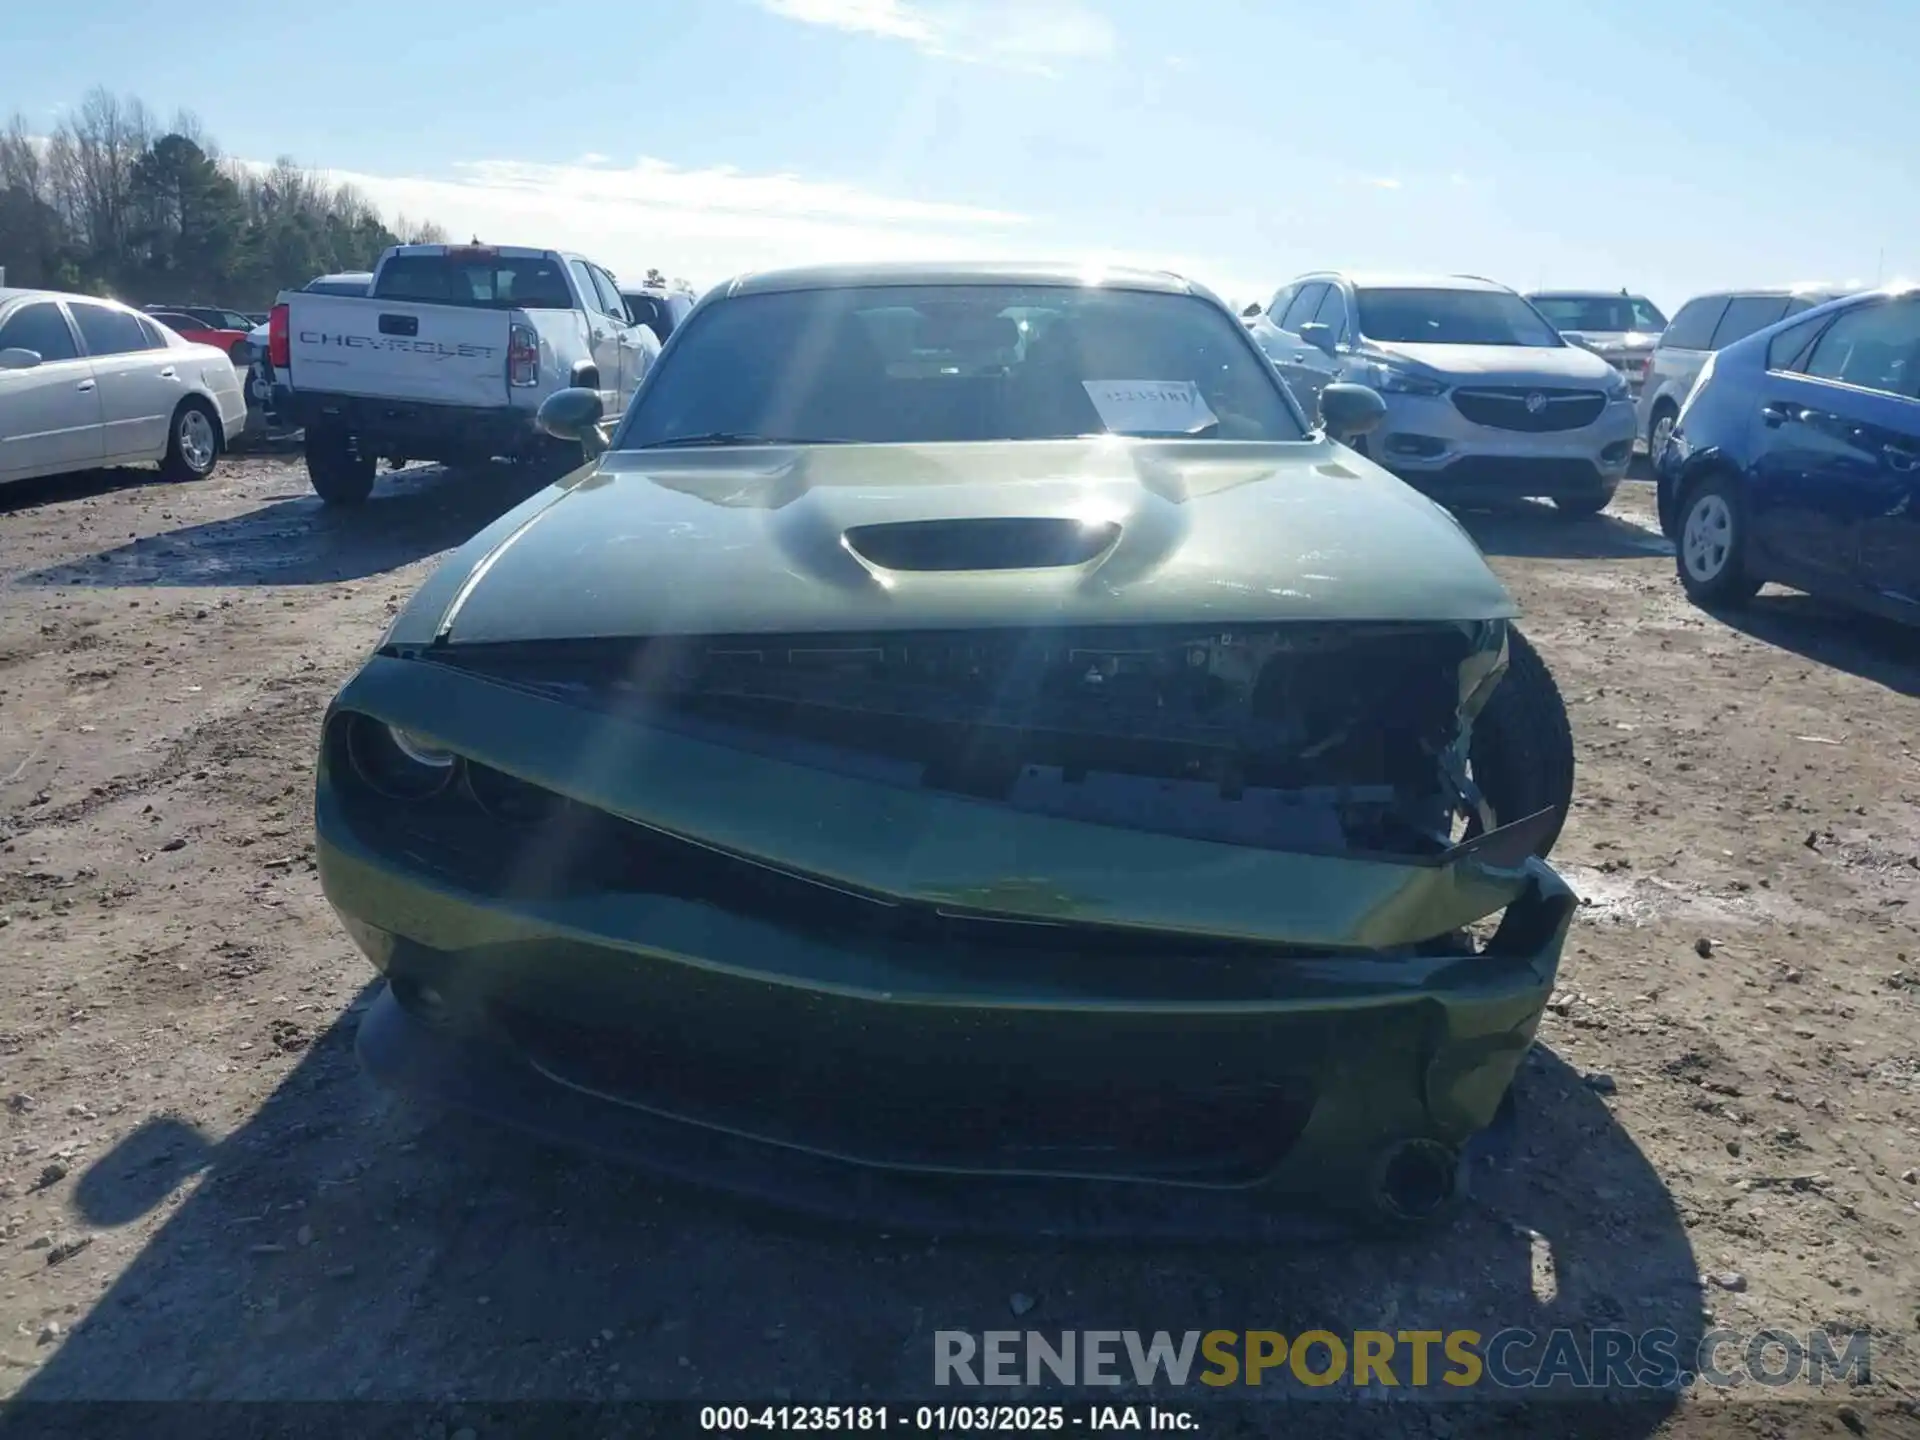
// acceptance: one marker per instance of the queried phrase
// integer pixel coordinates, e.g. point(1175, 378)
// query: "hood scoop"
point(991, 543)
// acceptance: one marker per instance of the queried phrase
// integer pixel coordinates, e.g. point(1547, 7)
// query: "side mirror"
point(1350, 411)
point(1319, 336)
point(14, 358)
point(574, 414)
point(1251, 311)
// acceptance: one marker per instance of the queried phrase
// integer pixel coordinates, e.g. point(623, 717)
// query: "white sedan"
point(86, 382)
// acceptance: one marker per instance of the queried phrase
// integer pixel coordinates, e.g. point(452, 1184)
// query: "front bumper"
point(1165, 1049)
point(1427, 442)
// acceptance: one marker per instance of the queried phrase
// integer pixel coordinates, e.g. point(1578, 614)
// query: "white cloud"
point(874, 17)
point(1021, 34)
point(708, 224)
point(705, 224)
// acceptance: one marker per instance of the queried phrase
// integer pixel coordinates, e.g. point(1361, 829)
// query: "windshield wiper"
point(736, 437)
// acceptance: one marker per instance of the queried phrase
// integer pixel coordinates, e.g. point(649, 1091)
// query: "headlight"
point(1616, 386)
point(1392, 380)
point(399, 764)
point(419, 749)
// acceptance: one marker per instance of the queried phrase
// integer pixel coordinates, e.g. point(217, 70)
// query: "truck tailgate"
point(398, 349)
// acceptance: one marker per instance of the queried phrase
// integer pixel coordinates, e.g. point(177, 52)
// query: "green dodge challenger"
point(963, 728)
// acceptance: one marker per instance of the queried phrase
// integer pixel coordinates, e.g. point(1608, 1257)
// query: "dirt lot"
point(200, 1195)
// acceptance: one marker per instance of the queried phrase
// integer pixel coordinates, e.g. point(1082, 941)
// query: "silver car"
point(1618, 326)
point(1701, 326)
point(1485, 401)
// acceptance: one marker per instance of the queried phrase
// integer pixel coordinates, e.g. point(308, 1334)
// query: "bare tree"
point(422, 232)
point(62, 182)
point(21, 165)
point(188, 126)
point(109, 201)
point(108, 135)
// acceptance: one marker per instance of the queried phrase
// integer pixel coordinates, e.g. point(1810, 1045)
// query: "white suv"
point(1485, 400)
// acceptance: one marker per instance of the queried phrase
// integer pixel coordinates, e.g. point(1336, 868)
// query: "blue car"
point(1796, 459)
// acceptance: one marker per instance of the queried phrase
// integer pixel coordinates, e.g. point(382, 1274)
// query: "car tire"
point(1710, 543)
point(193, 443)
point(1522, 749)
point(340, 474)
point(1576, 507)
point(1659, 428)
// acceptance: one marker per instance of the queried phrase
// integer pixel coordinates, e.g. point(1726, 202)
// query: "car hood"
point(746, 540)
point(1502, 364)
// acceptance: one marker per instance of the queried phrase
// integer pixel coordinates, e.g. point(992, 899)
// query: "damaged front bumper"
point(768, 960)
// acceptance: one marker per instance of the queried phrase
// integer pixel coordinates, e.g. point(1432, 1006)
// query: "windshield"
point(1452, 317)
point(492, 282)
point(1600, 312)
point(911, 364)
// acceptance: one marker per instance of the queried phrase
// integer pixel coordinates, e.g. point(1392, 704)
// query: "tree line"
point(112, 202)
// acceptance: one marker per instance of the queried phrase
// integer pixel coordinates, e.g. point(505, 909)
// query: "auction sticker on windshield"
point(1150, 407)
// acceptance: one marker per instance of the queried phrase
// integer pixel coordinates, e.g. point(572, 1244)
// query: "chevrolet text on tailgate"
point(448, 357)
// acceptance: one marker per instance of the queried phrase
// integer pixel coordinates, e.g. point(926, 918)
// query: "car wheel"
point(1660, 431)
point(193, 443)
point(1522, 750)
point(1575, 506)
point(1710, 552)
point(341, 475)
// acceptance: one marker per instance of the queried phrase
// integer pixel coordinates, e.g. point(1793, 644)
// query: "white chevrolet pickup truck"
point(447, 357)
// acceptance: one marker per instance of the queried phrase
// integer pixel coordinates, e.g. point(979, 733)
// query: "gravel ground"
point(201, 1197)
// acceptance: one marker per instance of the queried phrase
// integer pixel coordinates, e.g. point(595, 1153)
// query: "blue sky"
point(1666, 147)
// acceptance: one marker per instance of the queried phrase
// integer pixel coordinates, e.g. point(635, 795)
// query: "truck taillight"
point(523, 355)
point(277, 342)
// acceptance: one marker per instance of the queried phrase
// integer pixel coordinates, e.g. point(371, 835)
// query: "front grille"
point(547, 847)
point(1534, 411)
point(1260, 736)
point(993, 1113)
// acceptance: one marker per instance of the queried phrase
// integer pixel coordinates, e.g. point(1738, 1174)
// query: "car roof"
point(10, 293)
point(976, 272)
point(505, 252)
point(1759, 292)
point(1392, 280)
point(1585, 295)
point(1840, 299)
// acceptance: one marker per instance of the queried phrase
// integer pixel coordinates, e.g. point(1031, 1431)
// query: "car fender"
point(1677, 471)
